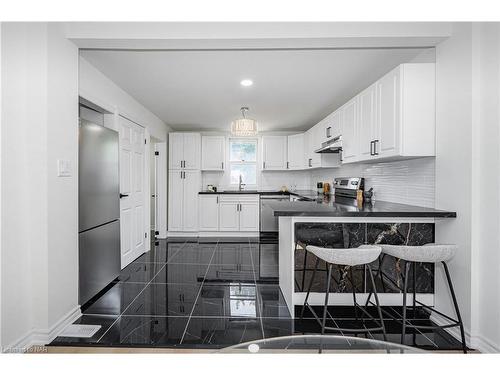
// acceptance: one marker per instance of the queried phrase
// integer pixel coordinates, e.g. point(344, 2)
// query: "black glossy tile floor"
point(211, 294)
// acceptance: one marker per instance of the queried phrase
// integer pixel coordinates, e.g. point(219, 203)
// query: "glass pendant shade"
point(244, 127)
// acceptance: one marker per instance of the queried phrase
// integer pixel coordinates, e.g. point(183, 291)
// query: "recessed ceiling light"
point(246, 82)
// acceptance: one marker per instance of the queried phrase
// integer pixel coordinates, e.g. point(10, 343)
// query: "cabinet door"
point(209, 212)
point(315, 140)
point(192, 185)
point(175, 150)
point(274, 152)
point(366, 122)
point(349, 132)
point(249, 216)
point(192, 151)
point(296, 151)
point(175, 195)
point(212, 153)
point(388, 97)
point(229, 217)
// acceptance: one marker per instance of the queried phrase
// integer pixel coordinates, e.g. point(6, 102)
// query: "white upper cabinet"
point(184, 151)
point(366, 122)
point(274, 152)
point(405, 114)
point(296, 152)
point(392, 119)
point(175, 150)
point(212, 153)
point(349, 130)
point(192, 150)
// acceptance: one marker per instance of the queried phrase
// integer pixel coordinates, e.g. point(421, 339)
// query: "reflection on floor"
point(209, 293)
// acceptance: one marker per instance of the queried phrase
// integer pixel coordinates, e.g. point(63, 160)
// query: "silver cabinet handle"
point(287, 164)
point(217, 199)
point(371, 148)
point(375, 142)
point(264, 165)
point(222, 165)
point(328, 132)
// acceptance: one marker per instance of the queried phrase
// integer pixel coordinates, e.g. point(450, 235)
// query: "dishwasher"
point(269, 222)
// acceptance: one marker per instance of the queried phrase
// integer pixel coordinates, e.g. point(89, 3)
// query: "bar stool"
point(430, 253)
point(319, 237)
point(363, 255)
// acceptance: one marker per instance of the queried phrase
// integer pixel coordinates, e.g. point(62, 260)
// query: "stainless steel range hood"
point(333, 146)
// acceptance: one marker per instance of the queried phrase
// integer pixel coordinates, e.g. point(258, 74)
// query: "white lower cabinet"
point(183, 188)
point(209, 212)
point(229, 213)
point(249, 216)
point(229, 216)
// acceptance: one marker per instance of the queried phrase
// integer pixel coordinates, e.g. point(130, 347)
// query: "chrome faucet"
point(240, 187)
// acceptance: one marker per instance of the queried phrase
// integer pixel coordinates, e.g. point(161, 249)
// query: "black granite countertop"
point(329, 206)
point(260, 192)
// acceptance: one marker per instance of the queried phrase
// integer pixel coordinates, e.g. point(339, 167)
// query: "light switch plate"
point(63, 168)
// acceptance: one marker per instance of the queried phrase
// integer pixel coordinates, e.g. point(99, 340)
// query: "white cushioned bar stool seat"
point(364, 254)
point(430, 253)
point(351, 257)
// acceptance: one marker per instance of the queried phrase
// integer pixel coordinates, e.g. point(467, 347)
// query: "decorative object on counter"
point(367, 195)
point(212, 188)
point(359, 197)
point(284, 189)
point(326, 188)
point(319, 187)
point(244, 127)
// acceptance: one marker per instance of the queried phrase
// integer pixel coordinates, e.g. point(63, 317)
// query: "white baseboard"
point(43, 336)
point(476, 342)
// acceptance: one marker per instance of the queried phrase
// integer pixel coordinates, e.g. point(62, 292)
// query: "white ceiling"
point(200, 90)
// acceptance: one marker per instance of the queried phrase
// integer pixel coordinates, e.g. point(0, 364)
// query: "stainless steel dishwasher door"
point(269, 222)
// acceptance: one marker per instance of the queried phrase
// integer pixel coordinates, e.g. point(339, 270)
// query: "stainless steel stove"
point(347, 187)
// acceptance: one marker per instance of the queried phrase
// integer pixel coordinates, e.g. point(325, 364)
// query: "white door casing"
point(132, 207)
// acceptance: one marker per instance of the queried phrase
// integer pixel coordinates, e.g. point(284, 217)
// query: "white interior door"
point(132, 208)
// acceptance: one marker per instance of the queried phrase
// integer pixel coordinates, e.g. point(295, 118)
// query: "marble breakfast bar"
point(334, 223)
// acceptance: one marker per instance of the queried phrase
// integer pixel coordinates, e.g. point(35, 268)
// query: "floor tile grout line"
point(199, 292)
point(143, 289)
point(257, 294)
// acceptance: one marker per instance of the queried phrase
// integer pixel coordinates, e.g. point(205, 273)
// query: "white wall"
point(486, 223)
point(39, 215)
point(467, 138)
point(99, 89)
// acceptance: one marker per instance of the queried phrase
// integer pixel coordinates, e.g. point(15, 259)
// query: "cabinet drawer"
point(239, 197)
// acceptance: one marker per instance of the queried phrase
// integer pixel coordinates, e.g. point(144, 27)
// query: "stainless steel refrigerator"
point(99, 208)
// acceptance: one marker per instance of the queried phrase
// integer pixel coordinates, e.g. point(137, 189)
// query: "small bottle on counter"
point(319, 187)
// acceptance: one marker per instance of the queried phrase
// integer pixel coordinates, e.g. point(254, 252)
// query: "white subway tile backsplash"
point(409, 181)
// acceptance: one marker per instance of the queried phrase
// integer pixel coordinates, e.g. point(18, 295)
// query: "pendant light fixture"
point(244, 127)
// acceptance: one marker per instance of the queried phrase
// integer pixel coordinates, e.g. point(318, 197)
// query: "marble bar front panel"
point(349, 235)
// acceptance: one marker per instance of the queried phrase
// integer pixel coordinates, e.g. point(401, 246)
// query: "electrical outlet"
point(63, 168)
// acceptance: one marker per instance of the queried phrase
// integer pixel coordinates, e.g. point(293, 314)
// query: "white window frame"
point(230, 162)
